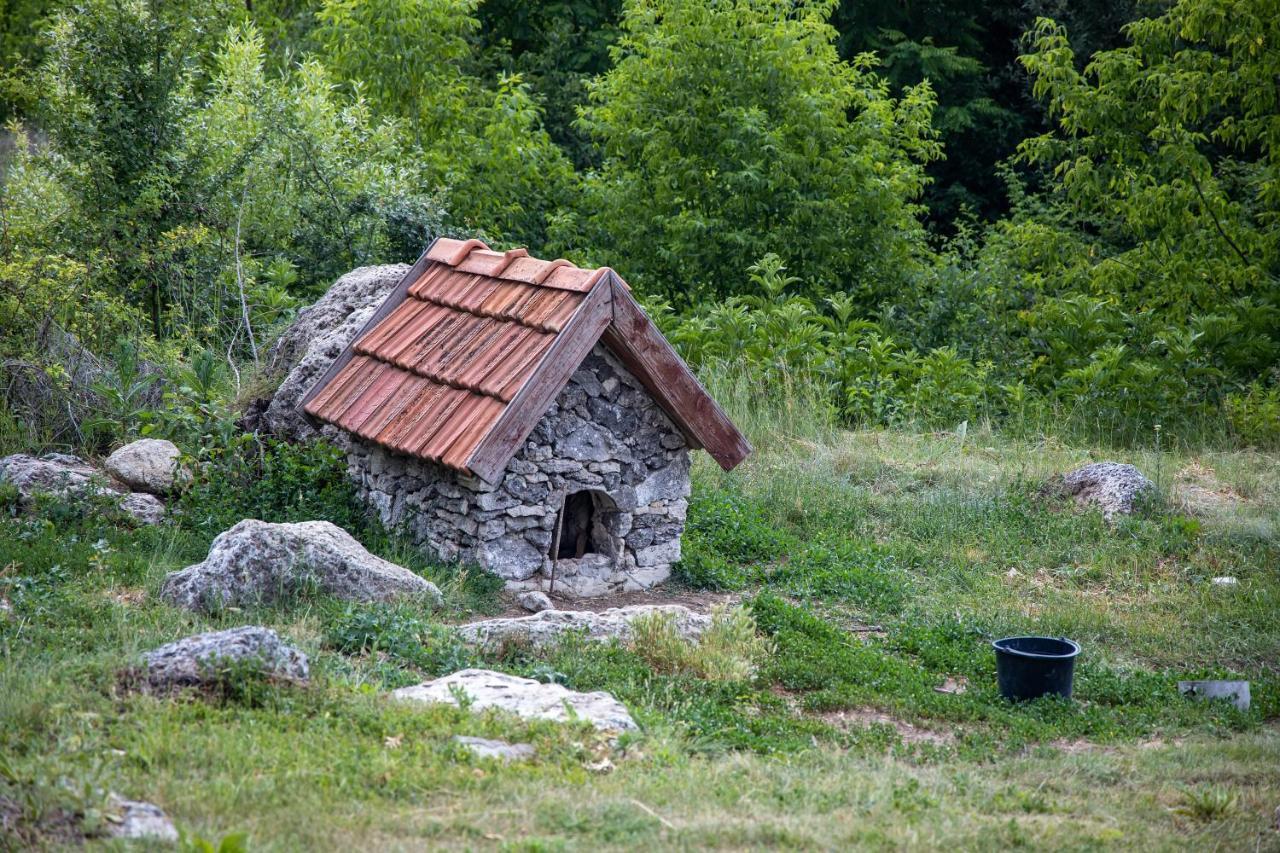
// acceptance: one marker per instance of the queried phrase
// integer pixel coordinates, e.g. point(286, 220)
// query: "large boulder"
point(317, 337)
point(66, 476)
point(1113, 487)
point(548, 626)
point(148, 465)
point(481, 689)
point(206, 658)
point(258, 562)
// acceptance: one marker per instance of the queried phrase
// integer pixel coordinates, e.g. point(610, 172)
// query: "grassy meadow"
point(877, 566)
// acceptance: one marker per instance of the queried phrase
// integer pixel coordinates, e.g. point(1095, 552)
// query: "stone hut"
point(525, 415)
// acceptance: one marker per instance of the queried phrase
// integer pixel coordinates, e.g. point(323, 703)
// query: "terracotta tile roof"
point(465, 356)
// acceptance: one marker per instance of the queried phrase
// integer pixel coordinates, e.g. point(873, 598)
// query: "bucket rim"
point(1074, 648)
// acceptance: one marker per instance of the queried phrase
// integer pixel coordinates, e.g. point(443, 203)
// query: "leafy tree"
point(558, 47)
point(116, 83)
point(21, 49)
point(414, 61)
point(731, 129)
point(1167, 156)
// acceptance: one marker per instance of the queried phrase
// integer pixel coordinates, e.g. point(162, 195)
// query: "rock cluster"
point(482, 689)
point(605, 435)
point(204, 658)
point(68, 476)
point(1113, 487)
point(257, 562)
point(549, 626)
point(317, 337)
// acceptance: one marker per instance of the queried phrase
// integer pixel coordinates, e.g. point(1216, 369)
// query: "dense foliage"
point(733, 130)
point(884, 204)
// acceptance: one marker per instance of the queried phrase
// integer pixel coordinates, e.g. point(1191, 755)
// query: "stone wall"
point(604, 433)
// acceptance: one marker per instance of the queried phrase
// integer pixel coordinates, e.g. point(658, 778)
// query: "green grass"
point(877, 565)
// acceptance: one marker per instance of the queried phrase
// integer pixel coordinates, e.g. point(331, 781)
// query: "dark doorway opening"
point(577, 521)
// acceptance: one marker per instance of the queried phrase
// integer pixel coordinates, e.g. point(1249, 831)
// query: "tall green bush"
point(731, 129)
point(1168, 150)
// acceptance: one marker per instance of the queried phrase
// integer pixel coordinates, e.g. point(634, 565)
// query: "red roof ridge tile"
point(551, 266)
point(453, 252)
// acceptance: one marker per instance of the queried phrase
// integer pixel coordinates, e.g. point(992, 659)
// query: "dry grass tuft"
point(729, 650)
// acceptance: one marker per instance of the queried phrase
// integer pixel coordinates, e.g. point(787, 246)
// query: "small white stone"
point(1224, 580)
point(499, 749)
point(534, 601)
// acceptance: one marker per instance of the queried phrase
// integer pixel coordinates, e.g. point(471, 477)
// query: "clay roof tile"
point(462, 359)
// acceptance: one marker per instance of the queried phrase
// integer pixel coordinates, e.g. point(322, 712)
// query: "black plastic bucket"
point(1031, 667)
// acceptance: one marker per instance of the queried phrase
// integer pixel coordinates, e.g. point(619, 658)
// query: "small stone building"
point(525, 415)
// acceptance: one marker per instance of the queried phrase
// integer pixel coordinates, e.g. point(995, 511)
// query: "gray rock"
point(1112, 487)
point(587, 443)
point(619, 420)
point(482, 689)
point(1235, 692)
point(534, 601)
point(148, 465)
point(137, 820)
point(258, 562)
point(55, 474)
point(317, 337)
point(145, 508)
point(497, 749)
point(511, 557)
point(589, 576)
point(547, 627)
point(203, 658)
point(665, 484)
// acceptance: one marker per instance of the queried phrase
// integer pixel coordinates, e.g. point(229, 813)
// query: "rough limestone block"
point(664, 553)
point(483, 689)
point(258, 562)
point(511, 557)
point(203, 658)
point(1112, 487)
point(150, 465)
point(145, 508)
point(534, 601)
point(133, 819)
point(548, 626)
